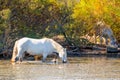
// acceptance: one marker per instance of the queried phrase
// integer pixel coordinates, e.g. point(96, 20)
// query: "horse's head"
point(63, 55)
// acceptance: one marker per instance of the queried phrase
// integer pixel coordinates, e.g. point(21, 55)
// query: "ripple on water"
point(78, 68)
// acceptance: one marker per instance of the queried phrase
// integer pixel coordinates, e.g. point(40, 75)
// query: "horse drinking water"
point(43, 47)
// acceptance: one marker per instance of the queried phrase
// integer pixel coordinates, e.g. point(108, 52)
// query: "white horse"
point(43, 47)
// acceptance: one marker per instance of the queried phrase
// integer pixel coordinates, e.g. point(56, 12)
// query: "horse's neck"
point(57, 46)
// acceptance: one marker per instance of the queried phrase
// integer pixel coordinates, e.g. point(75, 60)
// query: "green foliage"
point(4, 16)
point(71, 18)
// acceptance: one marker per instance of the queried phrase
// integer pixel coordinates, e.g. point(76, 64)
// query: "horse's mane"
point(56, 45)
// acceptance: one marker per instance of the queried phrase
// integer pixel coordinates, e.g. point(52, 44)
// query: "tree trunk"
point(64, 34)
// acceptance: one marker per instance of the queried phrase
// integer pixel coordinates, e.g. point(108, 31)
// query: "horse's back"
point(22, 41)
point(44, 43)
point(26, 39)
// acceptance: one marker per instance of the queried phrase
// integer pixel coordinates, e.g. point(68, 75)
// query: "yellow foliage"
point(33, 4)
point(87, 8)
point(51, 1)
point(5, 13)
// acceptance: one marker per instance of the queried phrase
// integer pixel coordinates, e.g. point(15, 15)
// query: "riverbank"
point(76, 52)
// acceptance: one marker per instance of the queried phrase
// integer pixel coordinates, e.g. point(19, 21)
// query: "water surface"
point(78, 68)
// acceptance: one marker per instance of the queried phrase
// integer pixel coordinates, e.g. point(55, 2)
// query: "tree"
point(87, 12)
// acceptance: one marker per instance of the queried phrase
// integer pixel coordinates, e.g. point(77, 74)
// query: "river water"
point(77, 68)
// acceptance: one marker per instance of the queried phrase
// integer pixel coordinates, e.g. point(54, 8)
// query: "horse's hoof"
point(55, 60)
point(12, 60)
point(43, 61)
point(64, 62)
point(16, 59)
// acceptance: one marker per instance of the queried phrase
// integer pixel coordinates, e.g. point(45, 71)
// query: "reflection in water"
point(78, 68)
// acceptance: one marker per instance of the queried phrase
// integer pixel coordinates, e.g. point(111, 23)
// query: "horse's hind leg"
point(20, 54)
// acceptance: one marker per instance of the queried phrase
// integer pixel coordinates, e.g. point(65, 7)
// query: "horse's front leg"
point(44, 57)
point(55, 59)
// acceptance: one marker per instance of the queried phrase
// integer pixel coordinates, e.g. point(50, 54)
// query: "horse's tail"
point(14, 52)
